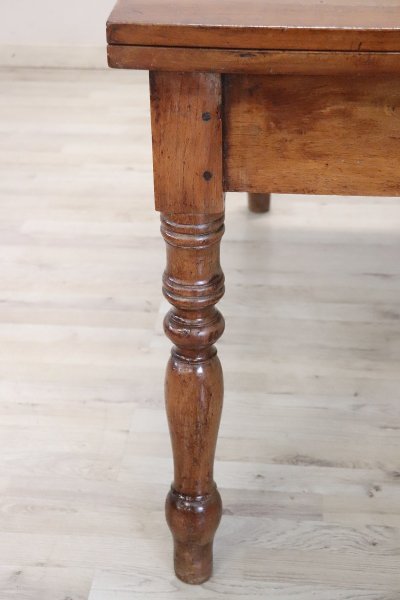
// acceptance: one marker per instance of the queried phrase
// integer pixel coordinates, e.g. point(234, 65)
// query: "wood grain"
point(187, 142)
point(262, 24)
point(193, 283)
point(256, 62)
point(323, 135)
point(309, 443)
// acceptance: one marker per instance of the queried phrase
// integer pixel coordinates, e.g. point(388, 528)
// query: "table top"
point(325, 25)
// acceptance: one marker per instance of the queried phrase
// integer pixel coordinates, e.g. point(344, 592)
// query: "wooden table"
point(257, 96)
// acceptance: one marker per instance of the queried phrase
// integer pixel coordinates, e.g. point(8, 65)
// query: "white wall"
point(71, 28)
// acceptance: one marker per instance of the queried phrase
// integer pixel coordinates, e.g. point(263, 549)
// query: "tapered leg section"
point(259, 203)
point(193, 283)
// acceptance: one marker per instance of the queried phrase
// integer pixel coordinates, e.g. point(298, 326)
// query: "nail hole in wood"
point(207, 175)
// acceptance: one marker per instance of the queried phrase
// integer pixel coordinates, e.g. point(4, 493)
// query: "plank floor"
point(308, 458)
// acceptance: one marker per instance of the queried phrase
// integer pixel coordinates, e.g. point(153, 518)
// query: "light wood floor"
point(309, 452)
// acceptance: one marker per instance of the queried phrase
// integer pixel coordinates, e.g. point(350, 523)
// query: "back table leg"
point(193, 283)
point(259, 203)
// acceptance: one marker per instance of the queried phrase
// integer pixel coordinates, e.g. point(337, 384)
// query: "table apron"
point(312, 135)
point(257, 62)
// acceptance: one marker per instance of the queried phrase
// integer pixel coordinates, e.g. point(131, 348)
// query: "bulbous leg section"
point(193, 283)
point(193, 521)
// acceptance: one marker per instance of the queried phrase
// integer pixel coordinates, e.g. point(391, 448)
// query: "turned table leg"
point(193, 283)
point(186, 111)
point(259, 203)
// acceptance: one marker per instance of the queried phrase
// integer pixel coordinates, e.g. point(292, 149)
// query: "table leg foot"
point(193, 521)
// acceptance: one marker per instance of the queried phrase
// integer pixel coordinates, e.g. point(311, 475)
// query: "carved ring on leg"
point(193, 283)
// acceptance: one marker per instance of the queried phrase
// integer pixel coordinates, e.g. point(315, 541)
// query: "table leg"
point(259, 203)
point(193, 283)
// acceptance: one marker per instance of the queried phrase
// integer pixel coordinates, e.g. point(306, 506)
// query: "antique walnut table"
point(300, 96)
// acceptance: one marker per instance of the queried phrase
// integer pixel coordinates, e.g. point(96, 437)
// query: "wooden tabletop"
point(356, 25)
